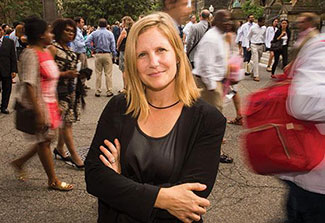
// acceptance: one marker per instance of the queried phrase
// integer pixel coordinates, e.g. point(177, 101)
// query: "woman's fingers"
point(113, 148)
point(108, 154)
point(105, 161)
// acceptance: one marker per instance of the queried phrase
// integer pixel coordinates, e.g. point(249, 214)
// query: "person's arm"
point(112, 45)
point(79, 41)
point(121, 37)
point(190, 39)
point(89, 41)
point(121, 193)
point(13, 58)
point(64, 74)
point(306, 100)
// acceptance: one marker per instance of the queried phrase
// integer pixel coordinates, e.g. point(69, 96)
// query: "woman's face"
point(275, 22)
point(68, 34)
point(284, 24)
point(156, 60)
point(47, 37)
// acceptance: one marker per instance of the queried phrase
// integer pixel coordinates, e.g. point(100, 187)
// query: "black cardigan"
point(278, 33)
point(122, 197)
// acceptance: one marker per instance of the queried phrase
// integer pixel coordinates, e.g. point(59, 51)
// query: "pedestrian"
point(79, 46)
point(239, 37)
point(211, 66)
point(245, 43)
point(179, 10)
point(269, 35)
point(283, 35)
point(196, 33)
point(162, 142)
point(256, 37)
point(105, 48)
point(8, 69)
point(127, 23)
point(187, 28)
point(64, 31)
point(306, 101)
point(38, 91)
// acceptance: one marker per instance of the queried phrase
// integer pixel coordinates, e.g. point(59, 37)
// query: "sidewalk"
point(239, 196)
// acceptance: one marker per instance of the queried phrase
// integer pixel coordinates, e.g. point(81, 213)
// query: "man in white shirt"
point(187, 28)
point(269, 35)
point(256, 37)
point(306, 101)
point(245, 42)
point(211, 63)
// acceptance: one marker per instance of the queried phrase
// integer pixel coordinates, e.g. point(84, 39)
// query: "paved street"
point(239, 196)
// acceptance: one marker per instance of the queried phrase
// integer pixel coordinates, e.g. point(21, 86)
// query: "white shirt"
point(256, 34)
point(306, 101)
point(269, 35)
point(239, 37)
point(244, 32)
point(187, 28)
point(210, 59)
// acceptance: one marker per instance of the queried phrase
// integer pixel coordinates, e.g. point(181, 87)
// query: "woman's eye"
point(141, 55)
point(162, 50)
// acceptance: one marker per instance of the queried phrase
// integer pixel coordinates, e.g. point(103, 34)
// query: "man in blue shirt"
point(104, 47)
point(79, 43)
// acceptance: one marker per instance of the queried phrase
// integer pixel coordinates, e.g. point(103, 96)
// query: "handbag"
point(26, 119)
point(276, 45)
point(276, 142)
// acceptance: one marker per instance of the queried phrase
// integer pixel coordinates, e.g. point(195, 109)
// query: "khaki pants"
point(103, 61)
point(213, 97)
point(83, 60)
point(257, 51)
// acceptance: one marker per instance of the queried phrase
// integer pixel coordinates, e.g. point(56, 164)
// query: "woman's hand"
point(112, 157)
point(69, 74)
point(181, 202)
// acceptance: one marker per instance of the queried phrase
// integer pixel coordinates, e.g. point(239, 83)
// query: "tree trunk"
point(49, 10)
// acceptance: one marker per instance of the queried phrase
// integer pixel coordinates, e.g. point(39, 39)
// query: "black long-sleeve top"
point(123, 198)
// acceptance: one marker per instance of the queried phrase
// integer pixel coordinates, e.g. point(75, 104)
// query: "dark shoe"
point(56, 153)
point(5, 111)
point(77, 166)
point(225, 159)
point(87, 87)
point(97, 95)
point(109, 94)
point(247, 74)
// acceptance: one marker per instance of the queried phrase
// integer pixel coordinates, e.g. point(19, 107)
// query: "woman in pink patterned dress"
point(40, 75)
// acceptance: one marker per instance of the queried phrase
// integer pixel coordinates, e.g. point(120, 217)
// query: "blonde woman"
point(155, 153)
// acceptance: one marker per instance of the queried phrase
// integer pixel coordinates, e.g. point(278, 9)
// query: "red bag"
point(274, 141)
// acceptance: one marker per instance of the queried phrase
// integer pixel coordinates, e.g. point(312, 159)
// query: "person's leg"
point(108, 69)
point(271, 56)
point(284, 56)
point(6, 91)
point(68, 140)
point(254, 50)
point(98, 71)
point(276, 61)
point(45, 156)
point(19, 163)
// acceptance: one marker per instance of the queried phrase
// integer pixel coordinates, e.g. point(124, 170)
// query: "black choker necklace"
point(169, 106)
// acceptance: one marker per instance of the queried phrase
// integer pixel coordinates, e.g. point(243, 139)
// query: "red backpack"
point(274, 141)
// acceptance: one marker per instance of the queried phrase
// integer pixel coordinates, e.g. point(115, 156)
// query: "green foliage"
point(112, 10)
point(15, 10)
point(250, 8)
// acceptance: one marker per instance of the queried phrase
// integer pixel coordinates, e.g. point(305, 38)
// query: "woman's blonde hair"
point(185, 86)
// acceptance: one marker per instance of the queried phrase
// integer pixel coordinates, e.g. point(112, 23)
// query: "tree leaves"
point(112, 10)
